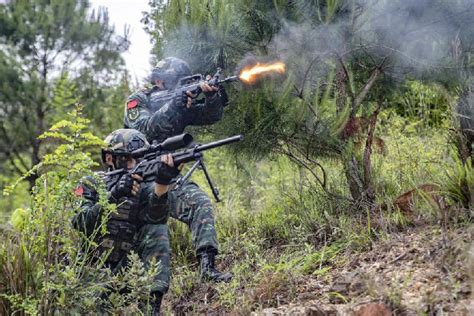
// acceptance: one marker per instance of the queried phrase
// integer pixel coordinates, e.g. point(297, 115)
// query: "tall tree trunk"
point(40, 120)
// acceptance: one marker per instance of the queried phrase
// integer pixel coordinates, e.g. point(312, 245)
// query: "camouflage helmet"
point(170, 70)
point(123, 142)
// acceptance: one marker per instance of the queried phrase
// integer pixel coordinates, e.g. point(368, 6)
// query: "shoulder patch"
point(79, 191)
point(133, 113)
point(132, 104)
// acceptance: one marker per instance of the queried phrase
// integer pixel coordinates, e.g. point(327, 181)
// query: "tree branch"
point(344, 68)
point(289, 154)
point(13, 154)
point(299, 161)
point(300, 96)
point(365, 90)
point(306, 76)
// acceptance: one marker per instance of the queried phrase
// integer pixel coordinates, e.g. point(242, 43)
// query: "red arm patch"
point(132, 104)
point(79, 191)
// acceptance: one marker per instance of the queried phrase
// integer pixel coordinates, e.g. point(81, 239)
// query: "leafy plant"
point(460, 183)
point(47, 265)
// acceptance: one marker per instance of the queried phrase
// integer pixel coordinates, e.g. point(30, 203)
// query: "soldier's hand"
point(190, 98)
point(137, 179)
point(128, 185)
point(166, 171)
point(207, 88)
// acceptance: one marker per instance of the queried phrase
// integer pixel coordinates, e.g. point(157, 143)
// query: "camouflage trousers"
point(152, 241)
point(189, 204)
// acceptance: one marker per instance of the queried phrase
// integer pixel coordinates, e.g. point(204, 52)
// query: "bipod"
point(199, 163)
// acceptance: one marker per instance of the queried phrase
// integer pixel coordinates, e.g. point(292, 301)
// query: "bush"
point(47, 265)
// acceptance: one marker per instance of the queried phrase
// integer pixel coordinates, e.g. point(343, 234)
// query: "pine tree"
point(344, 59)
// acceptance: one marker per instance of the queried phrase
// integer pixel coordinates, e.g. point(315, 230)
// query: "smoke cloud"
point(416, 38)
point(422, 38)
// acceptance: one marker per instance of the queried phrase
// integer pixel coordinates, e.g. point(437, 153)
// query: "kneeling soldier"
point(142, 210)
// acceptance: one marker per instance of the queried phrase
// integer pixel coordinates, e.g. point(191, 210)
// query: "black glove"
point(164, 173)
point(224, 96)
point(123, 187)
point(181, 100)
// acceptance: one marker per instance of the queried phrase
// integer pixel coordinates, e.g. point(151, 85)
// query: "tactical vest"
point(122, 228)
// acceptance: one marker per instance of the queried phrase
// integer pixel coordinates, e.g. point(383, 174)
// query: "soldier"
point(142, 210)
point(152, 112)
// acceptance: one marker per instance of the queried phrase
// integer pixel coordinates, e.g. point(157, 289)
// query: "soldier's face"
point(126, 162)
point(160, 84)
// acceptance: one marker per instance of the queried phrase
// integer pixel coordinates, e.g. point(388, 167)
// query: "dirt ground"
point(420, 271)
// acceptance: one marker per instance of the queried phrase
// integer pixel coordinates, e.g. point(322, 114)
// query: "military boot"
point(207, 270)
point(156, 303)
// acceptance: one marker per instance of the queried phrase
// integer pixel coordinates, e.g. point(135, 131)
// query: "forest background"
point(367, 136)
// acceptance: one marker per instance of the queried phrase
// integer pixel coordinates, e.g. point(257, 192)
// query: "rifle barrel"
point(219, 143)
point(230, 79)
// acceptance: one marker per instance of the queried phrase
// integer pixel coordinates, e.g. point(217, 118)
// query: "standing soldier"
point(142, 210)
point(158, 116)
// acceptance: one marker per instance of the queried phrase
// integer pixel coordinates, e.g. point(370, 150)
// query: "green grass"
point(276, 226)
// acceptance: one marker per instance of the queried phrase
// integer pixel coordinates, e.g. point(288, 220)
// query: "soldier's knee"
point(204, 204)
point(155, 231)
point(200, 199)
point(155, 240)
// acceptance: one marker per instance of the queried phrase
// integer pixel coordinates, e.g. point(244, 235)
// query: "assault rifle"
point(192, 84)
point(182, 150)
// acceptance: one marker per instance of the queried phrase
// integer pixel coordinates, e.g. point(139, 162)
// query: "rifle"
point(192, 84)
point(181, 150)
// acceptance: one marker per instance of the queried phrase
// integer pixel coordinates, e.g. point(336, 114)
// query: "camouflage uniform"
point(150, 112)
point(159, 117)
point(139, 223)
